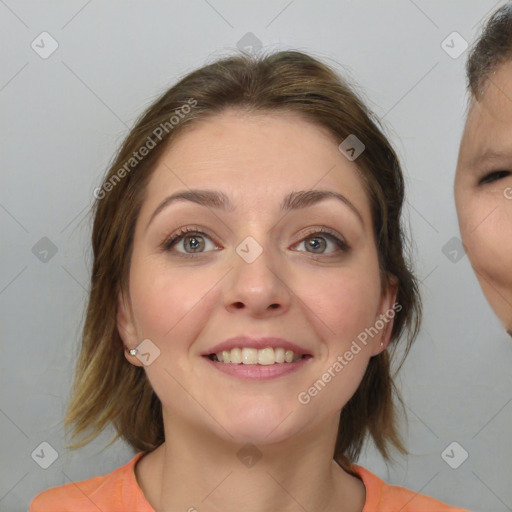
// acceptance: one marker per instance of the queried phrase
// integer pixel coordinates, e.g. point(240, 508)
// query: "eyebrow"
point(489, 155)
point(219, 200)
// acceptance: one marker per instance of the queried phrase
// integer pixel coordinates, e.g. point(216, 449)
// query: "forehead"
point(257, 155)
point(488, 130)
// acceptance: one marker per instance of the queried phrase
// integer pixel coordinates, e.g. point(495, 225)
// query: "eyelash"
point(168, 243)
point(493, 176)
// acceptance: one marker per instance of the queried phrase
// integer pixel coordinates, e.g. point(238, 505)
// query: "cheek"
point(343, 302)
point(163, 296)
point(487, 234)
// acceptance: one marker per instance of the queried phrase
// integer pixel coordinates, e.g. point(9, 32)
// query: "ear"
point(386, 315)
point(126, 328)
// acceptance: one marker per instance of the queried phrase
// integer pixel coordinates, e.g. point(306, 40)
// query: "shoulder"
point(108, 493)
point(390, 498)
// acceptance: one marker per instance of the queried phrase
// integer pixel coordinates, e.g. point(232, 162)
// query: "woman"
point(248, 279)
point(483, 182)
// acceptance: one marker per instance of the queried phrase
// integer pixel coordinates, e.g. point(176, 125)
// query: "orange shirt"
point(119, 492)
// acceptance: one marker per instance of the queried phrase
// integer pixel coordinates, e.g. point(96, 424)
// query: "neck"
point(196, 470)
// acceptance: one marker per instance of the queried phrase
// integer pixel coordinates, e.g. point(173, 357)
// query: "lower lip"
point(258, 371)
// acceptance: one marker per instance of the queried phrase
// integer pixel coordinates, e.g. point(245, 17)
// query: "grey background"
point(62, 120)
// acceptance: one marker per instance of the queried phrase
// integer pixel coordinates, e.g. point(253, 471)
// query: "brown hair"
point(493, 47)
point(108, 389)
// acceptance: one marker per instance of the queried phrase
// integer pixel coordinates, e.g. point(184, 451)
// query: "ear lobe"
point(387, 314)
point(126, 329)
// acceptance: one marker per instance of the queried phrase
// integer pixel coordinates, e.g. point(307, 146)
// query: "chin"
point(501, 309)
point(498, 293)
point(507, 323)
point(261, 425)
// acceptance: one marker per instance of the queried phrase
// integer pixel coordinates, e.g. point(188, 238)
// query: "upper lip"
point(255, 342)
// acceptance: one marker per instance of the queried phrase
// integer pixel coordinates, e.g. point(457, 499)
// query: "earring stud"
point(133, 351)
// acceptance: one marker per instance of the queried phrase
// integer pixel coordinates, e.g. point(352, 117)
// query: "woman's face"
point(483, 191)
point(254, 269)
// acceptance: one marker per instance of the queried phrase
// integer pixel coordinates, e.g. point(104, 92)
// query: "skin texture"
point(318, 298)
point(485, 207)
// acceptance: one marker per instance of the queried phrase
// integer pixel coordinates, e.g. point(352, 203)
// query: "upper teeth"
point(263, 356)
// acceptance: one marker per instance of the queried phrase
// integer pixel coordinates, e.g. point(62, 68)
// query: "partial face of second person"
point(318, 290)
point(483, 191)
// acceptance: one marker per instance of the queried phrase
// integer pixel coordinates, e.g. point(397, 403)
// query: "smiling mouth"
point(252, 356)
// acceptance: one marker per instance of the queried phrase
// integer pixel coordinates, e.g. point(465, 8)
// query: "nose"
point(260, 287)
